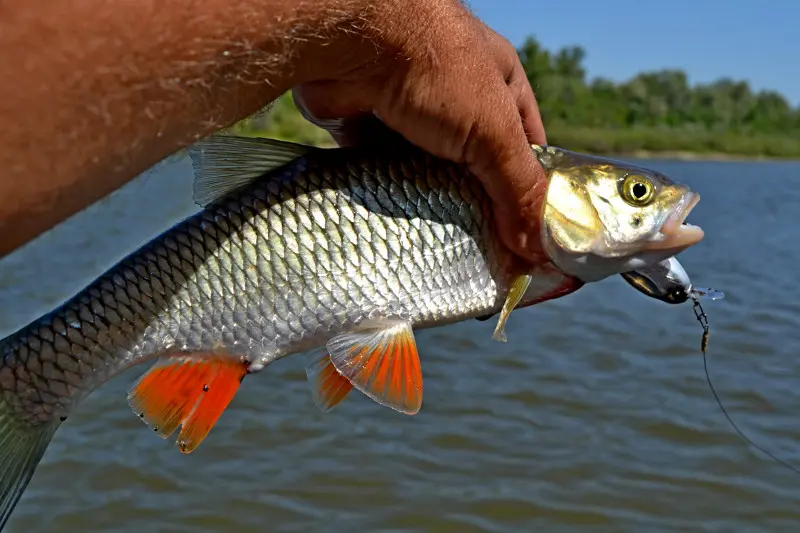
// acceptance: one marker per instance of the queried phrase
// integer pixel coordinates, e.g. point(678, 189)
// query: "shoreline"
point(634, 142)
point(672, 155)
point(719, 157)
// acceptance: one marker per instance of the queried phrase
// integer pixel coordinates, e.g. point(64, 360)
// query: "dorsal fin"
point(224, 163)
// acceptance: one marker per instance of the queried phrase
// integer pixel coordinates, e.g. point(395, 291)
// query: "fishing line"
point(703, 319)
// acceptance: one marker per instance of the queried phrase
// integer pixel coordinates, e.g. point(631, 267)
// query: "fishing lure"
point(668, 282)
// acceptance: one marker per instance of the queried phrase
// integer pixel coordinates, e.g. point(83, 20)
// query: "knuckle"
point(488, 141)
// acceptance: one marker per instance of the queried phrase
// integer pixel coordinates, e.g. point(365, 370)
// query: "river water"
point(595, 416)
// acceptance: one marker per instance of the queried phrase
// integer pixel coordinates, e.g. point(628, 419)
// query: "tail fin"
point(21, 448)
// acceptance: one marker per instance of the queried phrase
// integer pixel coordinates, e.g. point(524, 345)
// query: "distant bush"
point(283, 121)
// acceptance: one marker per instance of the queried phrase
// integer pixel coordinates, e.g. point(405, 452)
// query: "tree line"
point(656, 110)
point(661, 98)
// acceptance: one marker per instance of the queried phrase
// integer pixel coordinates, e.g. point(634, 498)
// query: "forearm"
point(95, 92)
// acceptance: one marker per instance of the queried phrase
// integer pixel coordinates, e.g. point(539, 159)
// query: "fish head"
point(603, 217)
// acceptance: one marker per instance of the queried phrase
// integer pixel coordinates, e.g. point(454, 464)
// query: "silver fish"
point(298, 248)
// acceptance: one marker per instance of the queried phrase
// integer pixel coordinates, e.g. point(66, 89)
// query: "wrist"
point(324, 39)
point(364, 34)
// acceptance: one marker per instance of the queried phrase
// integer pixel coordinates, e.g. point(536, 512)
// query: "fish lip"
point(674, 234)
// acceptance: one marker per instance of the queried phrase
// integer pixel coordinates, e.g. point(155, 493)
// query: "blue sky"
point(756, 41)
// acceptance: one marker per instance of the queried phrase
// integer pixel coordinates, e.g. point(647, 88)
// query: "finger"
point(340, 110)
point(515, 77)
point(365, 130)
point(498, 153)
point(321, 102)
point(501, 49)
point(527, 106)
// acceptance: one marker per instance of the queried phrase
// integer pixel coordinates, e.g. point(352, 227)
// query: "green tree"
point(656, 110)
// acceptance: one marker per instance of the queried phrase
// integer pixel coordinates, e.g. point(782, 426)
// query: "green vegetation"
point(654, 112)
point(284, 122)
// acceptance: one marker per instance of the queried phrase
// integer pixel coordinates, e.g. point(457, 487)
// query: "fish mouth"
point(675, 234)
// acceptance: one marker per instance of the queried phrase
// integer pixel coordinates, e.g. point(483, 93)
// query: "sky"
point(757, 41)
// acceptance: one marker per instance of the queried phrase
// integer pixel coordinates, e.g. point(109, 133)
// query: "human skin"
point(97, 92)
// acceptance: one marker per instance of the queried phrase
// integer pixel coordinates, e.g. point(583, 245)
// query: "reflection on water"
point(596, 413)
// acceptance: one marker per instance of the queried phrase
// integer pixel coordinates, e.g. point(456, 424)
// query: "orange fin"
point(190, 391)
point(328, 386)
point(380, 359)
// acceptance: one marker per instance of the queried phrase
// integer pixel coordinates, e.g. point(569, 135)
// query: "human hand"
point(450, 85)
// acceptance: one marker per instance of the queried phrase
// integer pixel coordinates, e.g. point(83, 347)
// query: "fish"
point(341, 254)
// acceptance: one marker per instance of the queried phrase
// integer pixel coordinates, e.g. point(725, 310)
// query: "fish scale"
point(271, 271)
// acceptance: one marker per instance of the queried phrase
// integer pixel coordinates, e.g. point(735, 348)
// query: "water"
point(595, 415)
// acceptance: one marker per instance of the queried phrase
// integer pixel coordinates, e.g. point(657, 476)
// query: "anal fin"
point(187, 390)
point(380, 359)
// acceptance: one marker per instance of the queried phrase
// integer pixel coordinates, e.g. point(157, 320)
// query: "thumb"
point(337, 108)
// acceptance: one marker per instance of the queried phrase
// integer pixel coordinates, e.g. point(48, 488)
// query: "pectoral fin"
point(516, 290)
point(380, 359)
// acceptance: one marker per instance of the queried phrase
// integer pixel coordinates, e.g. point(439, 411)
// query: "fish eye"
point(637, 190)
